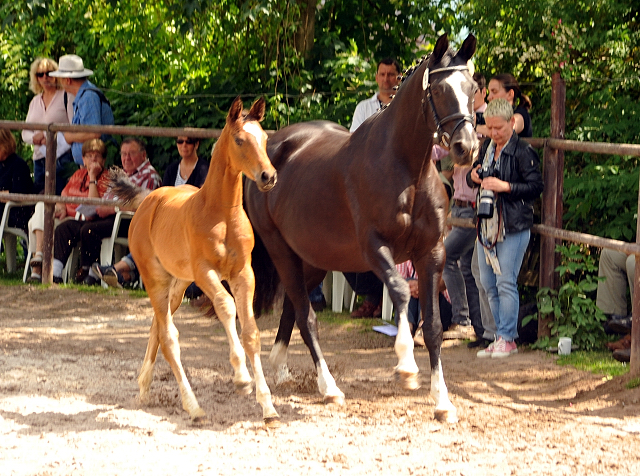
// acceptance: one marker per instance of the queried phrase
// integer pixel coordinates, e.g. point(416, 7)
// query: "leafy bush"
point(573, 307)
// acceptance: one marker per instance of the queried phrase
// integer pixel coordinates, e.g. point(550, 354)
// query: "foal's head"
point(247, 146)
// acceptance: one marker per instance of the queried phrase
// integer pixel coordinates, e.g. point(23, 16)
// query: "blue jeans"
point(459, 247)
point(502, 290)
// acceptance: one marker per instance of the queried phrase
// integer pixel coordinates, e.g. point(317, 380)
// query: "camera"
point(486, 200)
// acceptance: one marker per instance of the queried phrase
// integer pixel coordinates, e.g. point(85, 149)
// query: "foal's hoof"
point(198, 416)
point(446, 416)
point(244, 388)
point(333, 400)
point(408, 380)
point(272, 423)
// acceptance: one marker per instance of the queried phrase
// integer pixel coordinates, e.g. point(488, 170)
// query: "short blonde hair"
point(499, 108)
point(48, 63)
point(7, 141)
point(94, 145)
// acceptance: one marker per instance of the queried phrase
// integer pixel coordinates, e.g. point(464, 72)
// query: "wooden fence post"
point(552, 206)
point(49, 208)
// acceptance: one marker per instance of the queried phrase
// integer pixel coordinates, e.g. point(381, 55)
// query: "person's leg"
point(510, 254)
point(471, 288)
point(36, 227)
point(91, 235)
point(488, 323)
point(65, 238)
point(611, 295)
point(631, 272)
point(455, 245)
point(369, 285)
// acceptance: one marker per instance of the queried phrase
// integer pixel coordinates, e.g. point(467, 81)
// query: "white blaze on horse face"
point(455, 82)
point(256, 131)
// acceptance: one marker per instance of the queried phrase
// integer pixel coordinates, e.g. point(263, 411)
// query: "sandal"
point(36, 260)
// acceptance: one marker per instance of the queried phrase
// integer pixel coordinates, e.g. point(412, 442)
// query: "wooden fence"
point(552, 208)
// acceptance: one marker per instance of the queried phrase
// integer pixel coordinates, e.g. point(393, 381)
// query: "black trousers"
point(367, 284)
point(88, 233)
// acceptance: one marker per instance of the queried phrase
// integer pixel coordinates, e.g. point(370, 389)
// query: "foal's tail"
point(128, 193)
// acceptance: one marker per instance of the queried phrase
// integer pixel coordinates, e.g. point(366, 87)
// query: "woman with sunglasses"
point(46, 107)
point(190, 169)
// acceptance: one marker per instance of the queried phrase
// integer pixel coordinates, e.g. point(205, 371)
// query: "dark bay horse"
point(365, 201)
point(183, 234)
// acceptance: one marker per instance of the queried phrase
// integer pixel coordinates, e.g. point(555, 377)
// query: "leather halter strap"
point(445, 137)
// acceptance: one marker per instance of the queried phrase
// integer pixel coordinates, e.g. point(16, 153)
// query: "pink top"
point(462, 191)
point(41, 115)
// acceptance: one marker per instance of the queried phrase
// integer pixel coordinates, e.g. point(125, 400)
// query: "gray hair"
point(499, 108)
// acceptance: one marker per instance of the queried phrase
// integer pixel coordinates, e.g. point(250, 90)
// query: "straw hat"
point(71, 66)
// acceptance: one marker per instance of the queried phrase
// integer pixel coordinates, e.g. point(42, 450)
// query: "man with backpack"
point(90, 106)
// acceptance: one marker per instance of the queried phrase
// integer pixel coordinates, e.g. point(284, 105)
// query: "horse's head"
point(447, 102)
point(248, 144)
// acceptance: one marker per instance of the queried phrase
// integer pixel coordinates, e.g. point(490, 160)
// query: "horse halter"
point(445, 137)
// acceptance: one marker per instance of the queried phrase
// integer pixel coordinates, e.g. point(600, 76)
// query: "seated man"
point(611, 297)
point(140, 171)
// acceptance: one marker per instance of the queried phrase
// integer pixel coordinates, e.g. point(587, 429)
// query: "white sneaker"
point(486, 353)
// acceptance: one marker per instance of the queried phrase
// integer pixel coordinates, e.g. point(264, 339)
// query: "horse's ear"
point(442, 45)
point(235, 110)
point(257, 110)
point(468, 48)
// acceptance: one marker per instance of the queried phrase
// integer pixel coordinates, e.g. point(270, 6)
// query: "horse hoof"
point(446, 416)
point(408, 380)
point(272, 423)
point(333, 400)
point(198, 416)
point(244, 388)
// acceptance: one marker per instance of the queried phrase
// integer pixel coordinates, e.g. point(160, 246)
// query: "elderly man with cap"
point(90, 106)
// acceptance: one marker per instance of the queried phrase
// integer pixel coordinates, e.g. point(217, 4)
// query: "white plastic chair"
point(10, 236)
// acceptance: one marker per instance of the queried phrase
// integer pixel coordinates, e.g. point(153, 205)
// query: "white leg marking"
point(444, 410)
point(404, 348)
point(327, 385)
point(278, 360)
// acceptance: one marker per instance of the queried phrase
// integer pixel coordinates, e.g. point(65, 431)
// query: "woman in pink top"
point(46, 107)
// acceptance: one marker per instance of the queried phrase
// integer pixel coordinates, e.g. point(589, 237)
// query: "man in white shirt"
point(387, 78)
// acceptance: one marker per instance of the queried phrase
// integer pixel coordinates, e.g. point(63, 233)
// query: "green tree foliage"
point(181, 63)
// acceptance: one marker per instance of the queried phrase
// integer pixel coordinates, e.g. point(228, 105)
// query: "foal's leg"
point(429, 269)
point(243, 286)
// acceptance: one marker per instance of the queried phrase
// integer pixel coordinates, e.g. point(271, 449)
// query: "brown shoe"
point(624, 343)
point(366, 310)
point(622, 355)
point(378, 311)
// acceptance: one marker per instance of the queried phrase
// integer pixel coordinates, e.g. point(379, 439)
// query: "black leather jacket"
point(520, 166)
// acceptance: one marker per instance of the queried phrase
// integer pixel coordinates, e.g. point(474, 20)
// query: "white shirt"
point(38, 113)
point(364, 110)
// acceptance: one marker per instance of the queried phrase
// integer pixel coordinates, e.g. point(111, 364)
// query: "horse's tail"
point(267, 279)
point(128, 193)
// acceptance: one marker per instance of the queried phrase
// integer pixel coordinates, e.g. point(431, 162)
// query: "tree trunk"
point(305, 33)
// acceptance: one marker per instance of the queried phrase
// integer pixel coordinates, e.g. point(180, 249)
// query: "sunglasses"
point(188, 141)
point(40, 75)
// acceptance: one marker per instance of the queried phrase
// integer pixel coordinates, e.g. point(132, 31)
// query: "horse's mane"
point(406, 74)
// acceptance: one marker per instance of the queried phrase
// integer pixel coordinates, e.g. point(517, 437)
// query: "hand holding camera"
point(490, 184)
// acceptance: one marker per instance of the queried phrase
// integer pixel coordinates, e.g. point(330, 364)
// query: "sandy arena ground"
point(69, 362)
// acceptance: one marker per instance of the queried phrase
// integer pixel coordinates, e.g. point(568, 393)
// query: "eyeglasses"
point(40, 75)
point(188, 141)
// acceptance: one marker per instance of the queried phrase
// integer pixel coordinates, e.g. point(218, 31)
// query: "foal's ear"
point(257, 110)
point(468, 48)
point(442, 45)
point(235, 111)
